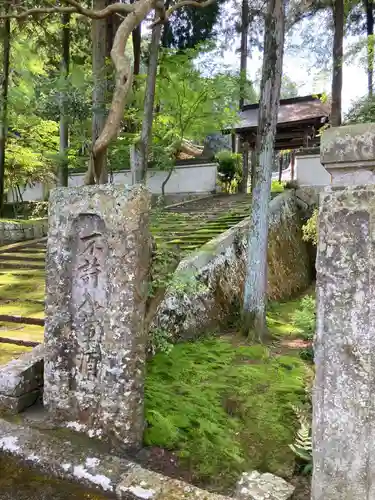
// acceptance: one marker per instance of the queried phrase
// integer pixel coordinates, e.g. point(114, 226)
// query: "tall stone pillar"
point(344, 392)
point(97, 269)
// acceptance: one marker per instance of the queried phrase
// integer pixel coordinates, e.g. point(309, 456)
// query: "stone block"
point(348, 153)
point(256, 486)
point(17, 404)
point(97, 267)
point(142, 484)
point(22, 375)
point(343, 396)
point(63, 456)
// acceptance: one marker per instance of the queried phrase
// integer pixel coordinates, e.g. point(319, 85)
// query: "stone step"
point(21, 258)
point(22, 319)
point(15, 265)
point(20, 342)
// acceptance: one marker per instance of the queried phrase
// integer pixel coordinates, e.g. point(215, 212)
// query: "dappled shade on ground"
point(222, 407)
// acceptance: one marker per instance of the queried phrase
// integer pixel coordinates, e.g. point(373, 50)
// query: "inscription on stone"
point(89, 288)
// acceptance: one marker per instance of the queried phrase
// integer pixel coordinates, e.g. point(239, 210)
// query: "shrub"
point(229, 168)
point(310, 229)
point(277, 187)
point(304, 318)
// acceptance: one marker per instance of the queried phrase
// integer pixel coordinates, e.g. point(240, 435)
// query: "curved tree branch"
point(124, 79)
point(183, 3)
point(75, 8)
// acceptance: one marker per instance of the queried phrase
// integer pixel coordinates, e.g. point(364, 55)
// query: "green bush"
point(229, 169)
point(277, 187)
point(310, 229)
point(304, 318)
point(224, 409)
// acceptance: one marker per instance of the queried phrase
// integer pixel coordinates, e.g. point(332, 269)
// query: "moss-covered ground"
point(223, 407)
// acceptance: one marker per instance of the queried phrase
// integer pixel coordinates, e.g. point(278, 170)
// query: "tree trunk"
point(243, 77)
point(4, 105)
point(338, 53)
point(242, 188)
point(255, 295)
point(165, 181)
point(281, 162)
point(139, 165)
point(137, 38)
point(370, 45)
point(253, 163)
point(62, 175)
point(244, 49)
point(98, 172)
point(292, 164)
point(166, 27)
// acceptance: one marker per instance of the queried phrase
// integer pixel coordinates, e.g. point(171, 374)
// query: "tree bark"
point(243, 77)
point(281, 162)
point(370, 45)
point(137, 38)
point(292, 164)
point(255, 295)
point(139, 166)
point(252, 167)
point(337, 61)
point(166, 181)
point(98, 172)
point(4, 105)
point(242, 188)
point(124, 80)
point(244, 49)
point(62, 175)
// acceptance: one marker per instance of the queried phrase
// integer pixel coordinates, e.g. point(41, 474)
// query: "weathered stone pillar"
point(97, 268)
point(344, 392)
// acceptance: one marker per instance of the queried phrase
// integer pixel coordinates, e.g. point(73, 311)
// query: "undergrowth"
point(224, 409)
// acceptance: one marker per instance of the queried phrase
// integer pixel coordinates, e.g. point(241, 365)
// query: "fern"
point(302, 446)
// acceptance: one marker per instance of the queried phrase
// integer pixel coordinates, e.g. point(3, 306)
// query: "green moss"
point(19, 308)
point(281, 316)
point(225, 408)
point(10, 351)
point(21, 331)
point(13, 287)
point(20, 263)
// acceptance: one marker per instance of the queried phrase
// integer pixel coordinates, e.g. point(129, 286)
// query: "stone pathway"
point(22, 293)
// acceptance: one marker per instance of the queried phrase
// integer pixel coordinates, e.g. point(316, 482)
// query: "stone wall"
point(21, 381)
point(14, 231)
point(213, 278)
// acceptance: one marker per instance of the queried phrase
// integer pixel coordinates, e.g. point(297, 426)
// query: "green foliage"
point(304, 318)
point(161, 341)
point(310, 229)
point(362, 111)
point(302, 446)
point(277, 187)
point(190, 26)
point(229, 168)
point(224, 409)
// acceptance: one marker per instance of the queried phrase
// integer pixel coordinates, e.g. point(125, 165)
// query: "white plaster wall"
point(310, 172)
point(186, 179)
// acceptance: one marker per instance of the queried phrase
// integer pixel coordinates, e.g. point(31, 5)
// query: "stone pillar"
point(97, 269)
point(348, 153)
point(344, 392)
